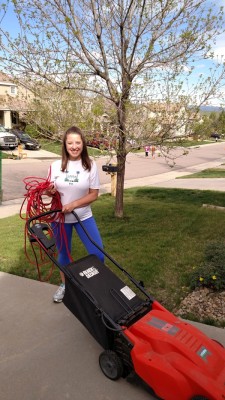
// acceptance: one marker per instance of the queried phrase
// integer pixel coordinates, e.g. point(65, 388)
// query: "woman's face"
point(74, 146)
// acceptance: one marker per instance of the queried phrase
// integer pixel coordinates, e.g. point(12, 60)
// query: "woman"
point(76, 179)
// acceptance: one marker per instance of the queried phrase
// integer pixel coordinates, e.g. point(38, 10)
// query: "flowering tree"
point(53, 110)
point(128, 51)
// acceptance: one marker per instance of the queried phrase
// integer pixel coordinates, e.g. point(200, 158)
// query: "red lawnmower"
point(136, 332)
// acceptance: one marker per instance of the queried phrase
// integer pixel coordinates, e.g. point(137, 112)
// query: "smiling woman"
point(76, 179)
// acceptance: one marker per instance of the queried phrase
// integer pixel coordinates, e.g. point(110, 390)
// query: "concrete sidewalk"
point(46, 354)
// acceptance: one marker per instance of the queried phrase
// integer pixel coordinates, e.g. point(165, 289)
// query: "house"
point(167, 119)
point(14, 101)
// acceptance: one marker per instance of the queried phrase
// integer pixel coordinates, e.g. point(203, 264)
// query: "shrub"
point(32, 131)
point(211, 273)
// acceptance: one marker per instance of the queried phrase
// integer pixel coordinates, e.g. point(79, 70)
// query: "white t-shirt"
point(73, 184)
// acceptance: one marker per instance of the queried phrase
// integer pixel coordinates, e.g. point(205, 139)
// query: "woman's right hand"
point(50, 191)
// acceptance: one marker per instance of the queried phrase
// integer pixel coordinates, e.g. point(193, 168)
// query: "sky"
point(202, 67)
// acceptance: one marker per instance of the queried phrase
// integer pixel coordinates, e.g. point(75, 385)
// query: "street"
point(137, 166)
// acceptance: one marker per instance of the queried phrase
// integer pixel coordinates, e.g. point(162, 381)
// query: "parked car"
point(26, 140)
point(7, 140)
point(215, 135)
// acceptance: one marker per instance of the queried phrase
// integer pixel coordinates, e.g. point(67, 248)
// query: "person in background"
point(153, 151)
point(147, 148)
point(76, 179)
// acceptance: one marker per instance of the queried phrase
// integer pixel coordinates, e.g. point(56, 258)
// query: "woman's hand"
point(50, 191)
point(68, 208)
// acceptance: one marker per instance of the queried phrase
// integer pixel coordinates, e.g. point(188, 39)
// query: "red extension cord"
point(37, 202)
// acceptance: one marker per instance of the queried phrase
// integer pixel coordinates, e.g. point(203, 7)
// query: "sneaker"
point(59, 294)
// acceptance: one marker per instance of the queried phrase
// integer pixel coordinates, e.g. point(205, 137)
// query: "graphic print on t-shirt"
point(71, 178)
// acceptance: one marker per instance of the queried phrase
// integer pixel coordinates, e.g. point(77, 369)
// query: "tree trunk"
point(121, 162)
point(121, 159)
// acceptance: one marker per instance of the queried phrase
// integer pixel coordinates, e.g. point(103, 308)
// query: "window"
point(13, 89)
point(15, 117)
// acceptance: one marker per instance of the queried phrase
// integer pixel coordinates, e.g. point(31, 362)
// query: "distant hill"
point(211, 108)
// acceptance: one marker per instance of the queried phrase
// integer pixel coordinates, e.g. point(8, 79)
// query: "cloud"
point(219, 48)
point(219, 53)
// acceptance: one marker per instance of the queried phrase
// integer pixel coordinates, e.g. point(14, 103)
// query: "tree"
point(52, 110)
point(221, 123)
point(127, 51)
point(202, 128)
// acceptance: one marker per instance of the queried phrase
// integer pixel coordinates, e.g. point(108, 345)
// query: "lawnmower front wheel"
point(111, 364)
point(199, 398)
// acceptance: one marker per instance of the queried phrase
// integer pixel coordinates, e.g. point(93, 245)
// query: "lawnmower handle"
point(139, 285)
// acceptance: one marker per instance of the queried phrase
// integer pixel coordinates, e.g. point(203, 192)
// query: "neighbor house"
point(14, 101)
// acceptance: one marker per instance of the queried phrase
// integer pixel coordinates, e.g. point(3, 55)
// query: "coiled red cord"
point(35, 203)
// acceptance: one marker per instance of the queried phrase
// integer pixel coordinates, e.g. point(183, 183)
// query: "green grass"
point(206, 173)
point(160, 239)
point(52, 146)
point(191, 143)
point(3, 155)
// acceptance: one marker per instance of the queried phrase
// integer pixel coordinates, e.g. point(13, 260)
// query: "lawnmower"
point(137, 334)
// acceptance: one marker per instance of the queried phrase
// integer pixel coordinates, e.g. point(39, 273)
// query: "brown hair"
point(86, 161)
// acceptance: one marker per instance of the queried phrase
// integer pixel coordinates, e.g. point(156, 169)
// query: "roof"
point(5, 78)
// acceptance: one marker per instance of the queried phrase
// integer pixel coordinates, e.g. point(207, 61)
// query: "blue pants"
point(64, 239)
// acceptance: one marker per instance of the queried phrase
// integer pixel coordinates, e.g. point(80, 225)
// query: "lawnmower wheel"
point(111, 364)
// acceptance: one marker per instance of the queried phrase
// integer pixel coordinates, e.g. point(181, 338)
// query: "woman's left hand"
point(68, 208)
